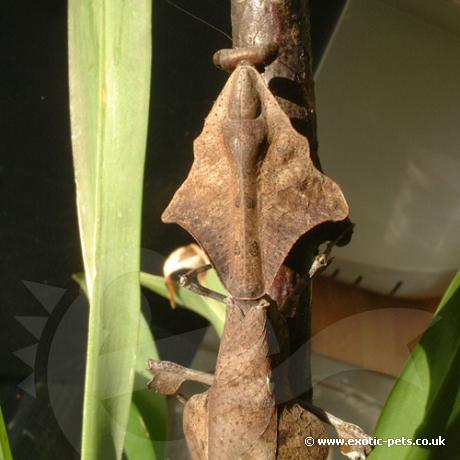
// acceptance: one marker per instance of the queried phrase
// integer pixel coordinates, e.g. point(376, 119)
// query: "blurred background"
point(387, 76)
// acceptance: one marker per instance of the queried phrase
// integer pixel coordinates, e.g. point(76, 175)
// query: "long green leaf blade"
point(146, 436)
point(147, 424)
point(109, 73)
point(5, 451)
point(425, 401)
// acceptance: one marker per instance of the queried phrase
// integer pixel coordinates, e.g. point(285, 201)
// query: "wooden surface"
point(366, 329)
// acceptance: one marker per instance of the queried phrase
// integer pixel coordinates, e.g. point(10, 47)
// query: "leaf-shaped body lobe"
point(196, 426)
point(295, 424)
point(253, 190)
point(241, 404)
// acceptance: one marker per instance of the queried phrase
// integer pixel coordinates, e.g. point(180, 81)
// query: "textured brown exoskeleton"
point(252, 192)
point(237, 417)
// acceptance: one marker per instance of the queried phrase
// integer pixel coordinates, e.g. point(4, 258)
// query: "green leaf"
point(146, 436)
point(210, 309)
point(425, 400)
point(147, 425)
point(138, 444)
point(109, 74)
point(5, 451)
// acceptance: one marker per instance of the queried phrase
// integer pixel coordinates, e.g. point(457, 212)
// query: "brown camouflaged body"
point(253, 190)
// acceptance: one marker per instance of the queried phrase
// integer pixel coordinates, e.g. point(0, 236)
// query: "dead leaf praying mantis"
point(253, 192)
